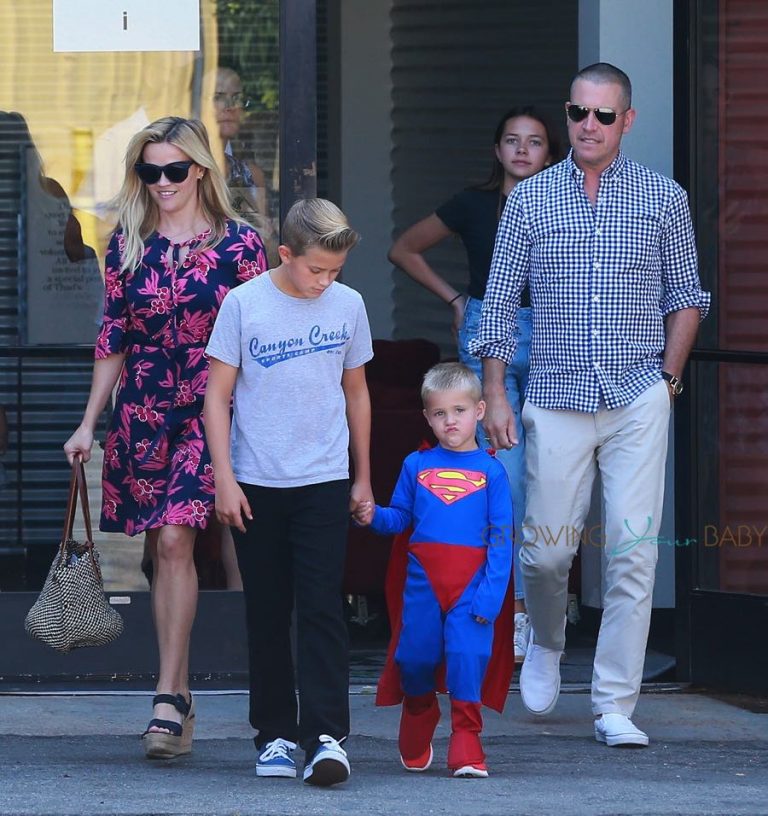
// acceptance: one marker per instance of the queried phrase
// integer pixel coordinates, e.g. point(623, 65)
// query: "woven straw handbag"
point(71, 610)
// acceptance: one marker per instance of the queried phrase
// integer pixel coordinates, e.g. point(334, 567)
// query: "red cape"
point(500, 667)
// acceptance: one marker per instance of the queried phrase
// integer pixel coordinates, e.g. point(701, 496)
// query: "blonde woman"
point(177, 250)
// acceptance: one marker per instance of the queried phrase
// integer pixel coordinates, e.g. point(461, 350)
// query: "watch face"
point(673, 382)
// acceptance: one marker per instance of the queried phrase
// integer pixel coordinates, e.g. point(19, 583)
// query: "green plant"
point(249, 42)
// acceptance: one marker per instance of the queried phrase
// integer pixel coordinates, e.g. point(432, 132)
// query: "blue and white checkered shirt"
point(602, 280)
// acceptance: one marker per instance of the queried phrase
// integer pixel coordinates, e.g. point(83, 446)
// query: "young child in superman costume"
point(456, 499)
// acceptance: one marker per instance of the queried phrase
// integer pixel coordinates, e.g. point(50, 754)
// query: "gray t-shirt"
point(289, 426)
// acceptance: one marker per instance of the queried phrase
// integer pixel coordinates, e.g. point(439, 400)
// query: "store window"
point(65, 120)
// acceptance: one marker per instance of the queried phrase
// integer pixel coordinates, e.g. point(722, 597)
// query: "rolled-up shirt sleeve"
point(112, 335)
point(680, 268)
point(506, 281)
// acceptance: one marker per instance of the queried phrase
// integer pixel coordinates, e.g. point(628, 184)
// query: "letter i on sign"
point(125, 21)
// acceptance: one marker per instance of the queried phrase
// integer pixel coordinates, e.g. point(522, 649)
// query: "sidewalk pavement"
point(63, 754)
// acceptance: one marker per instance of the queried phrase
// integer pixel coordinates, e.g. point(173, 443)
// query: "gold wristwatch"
point(675, 383)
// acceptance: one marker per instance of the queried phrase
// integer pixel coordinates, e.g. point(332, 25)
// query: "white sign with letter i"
point(126, 25)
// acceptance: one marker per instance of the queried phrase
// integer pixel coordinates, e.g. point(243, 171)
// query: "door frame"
point(714, 647)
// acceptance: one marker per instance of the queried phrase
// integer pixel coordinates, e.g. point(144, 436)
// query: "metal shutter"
point(456, 67)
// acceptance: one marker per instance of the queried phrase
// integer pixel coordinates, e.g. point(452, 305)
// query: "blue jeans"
point(515, 383)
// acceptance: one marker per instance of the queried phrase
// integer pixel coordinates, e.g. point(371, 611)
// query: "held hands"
point(363, 513)
point(79, 444)
point(361, 502)
point(499, 422)
point(231, 505)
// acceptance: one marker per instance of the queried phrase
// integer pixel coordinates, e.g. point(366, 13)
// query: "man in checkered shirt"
point(608, 248)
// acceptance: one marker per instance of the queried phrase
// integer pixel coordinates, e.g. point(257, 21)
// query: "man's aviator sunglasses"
point(578, 113)
point(175, 172)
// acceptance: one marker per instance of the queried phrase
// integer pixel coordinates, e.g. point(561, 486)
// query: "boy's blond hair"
point(317, 222)
point(451, 377)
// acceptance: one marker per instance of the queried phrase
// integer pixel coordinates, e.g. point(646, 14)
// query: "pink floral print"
point(157, 468)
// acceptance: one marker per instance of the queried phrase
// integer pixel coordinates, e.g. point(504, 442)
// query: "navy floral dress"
point(157, 468)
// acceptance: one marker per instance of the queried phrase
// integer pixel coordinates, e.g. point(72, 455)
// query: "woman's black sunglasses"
point(578, 113)
point(175, 172)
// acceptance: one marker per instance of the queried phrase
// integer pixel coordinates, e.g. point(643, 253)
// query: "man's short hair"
point(603, 73)
point(451, 377)
point(317, 222)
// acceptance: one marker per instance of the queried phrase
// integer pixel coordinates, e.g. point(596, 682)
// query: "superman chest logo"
point(451, 486)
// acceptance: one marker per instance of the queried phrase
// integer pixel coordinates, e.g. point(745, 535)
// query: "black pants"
point(296, 545)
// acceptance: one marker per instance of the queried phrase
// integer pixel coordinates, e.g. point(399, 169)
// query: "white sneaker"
point(522, 635)
point(329, 765)
point(476, 771)
point(540, 679)
point(618, 731)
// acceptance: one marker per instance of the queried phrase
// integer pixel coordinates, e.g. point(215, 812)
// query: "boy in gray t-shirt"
point(292, 345)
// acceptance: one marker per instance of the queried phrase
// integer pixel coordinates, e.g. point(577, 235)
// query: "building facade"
point(386, 107)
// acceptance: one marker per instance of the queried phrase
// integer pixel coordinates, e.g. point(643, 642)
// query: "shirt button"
point(597, 266)
point(594, 332)
point(595, 298)
point(598, 231)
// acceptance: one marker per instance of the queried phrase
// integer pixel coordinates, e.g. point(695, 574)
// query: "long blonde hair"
point(138, 214)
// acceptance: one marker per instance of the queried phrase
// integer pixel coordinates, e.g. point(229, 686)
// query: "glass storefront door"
point(725, 427)
point(65, 120)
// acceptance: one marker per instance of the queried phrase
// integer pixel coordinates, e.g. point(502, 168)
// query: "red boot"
point(466, 757)
point(417, 727)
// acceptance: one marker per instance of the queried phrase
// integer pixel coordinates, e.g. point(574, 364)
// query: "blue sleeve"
point(398, 517)
point(490, 594)
point(116, 314)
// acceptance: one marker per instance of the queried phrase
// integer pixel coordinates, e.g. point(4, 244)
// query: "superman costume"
point(458, 566)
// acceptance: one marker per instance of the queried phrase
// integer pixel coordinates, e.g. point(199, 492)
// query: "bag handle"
point(77, 486)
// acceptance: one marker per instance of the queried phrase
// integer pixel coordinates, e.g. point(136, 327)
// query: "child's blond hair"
point(317, 222)
point(451, 377)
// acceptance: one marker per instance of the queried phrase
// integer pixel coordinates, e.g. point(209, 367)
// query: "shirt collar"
point(613, 170)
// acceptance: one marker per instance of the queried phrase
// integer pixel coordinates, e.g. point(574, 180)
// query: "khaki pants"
point(564, 451)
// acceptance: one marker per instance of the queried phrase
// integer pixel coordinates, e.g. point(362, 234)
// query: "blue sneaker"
point(276, 759)
point(329, 765)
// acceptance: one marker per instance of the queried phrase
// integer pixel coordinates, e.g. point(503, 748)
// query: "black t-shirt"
point(474, 216)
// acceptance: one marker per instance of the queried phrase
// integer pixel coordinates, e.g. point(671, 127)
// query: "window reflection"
point(244, 152)
point(71, 116)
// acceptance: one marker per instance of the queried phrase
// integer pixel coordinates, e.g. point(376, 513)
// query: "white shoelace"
point(331, 744)
point(522, 630)
point(278, 749)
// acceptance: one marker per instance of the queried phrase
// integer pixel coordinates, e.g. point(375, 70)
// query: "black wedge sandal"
point(178, 740)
